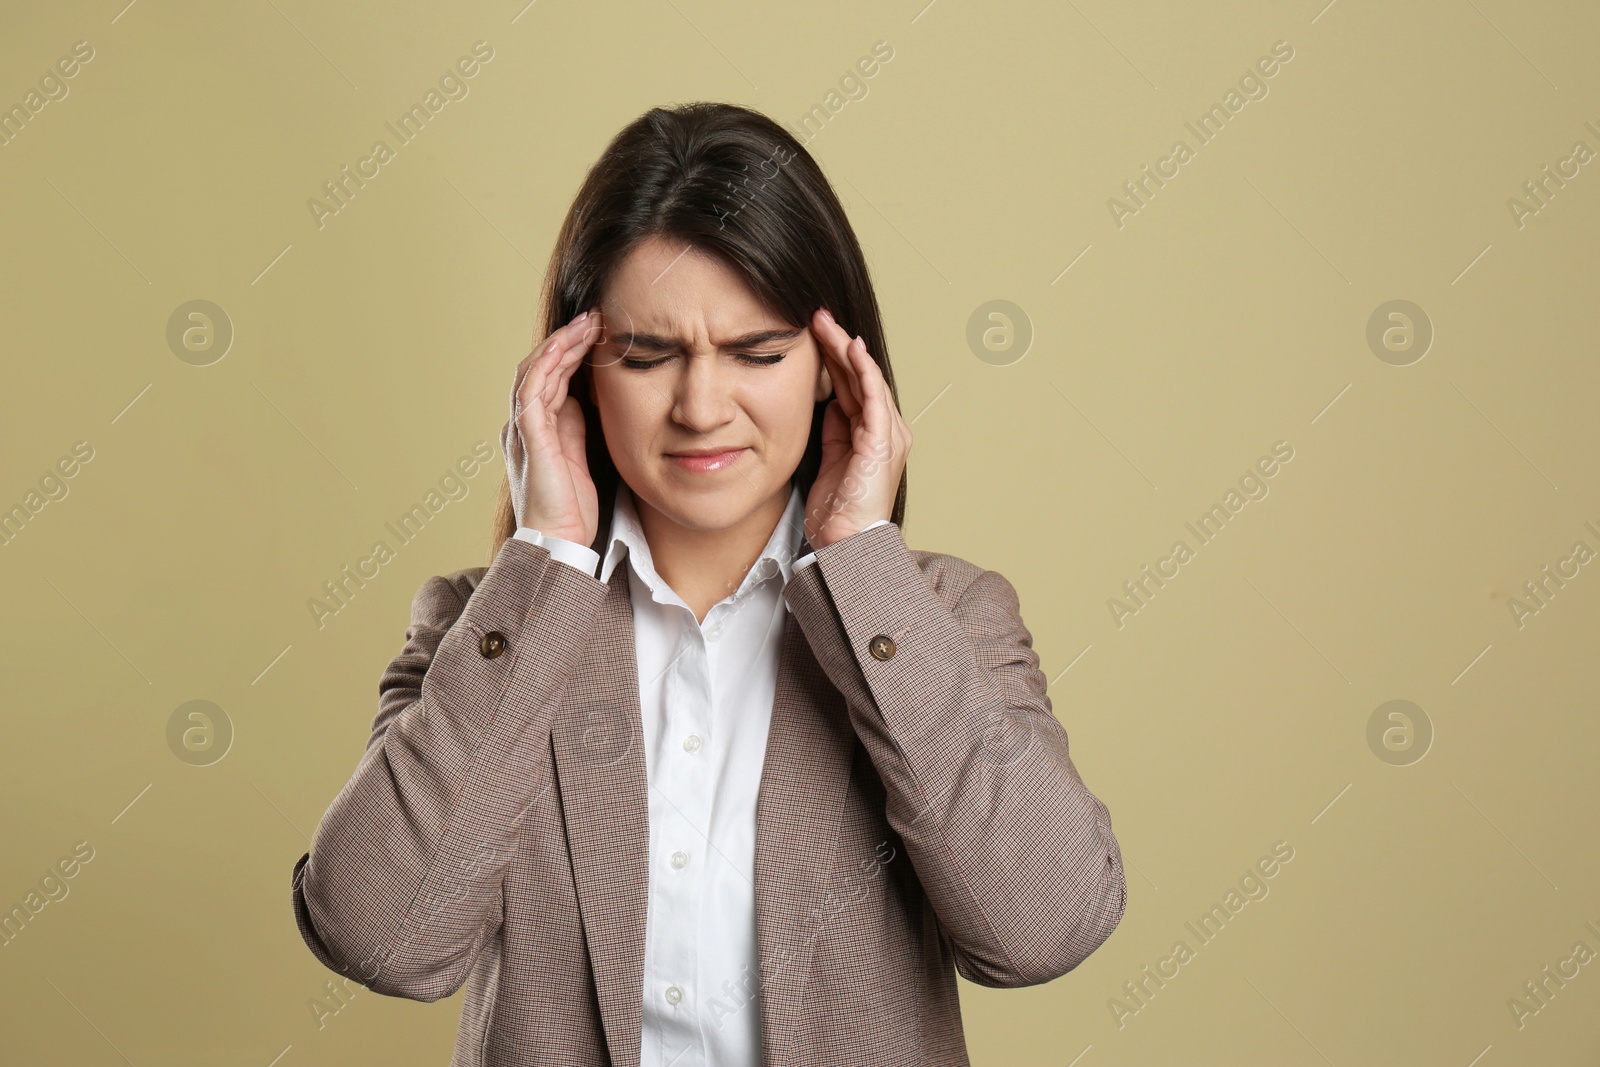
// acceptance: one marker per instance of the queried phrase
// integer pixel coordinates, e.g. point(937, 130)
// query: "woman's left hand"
point(864, 440)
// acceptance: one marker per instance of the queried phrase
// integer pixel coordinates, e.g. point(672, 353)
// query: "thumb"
point(835, 426)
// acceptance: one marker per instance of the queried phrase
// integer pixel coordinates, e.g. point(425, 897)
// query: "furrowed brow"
point(656, 343)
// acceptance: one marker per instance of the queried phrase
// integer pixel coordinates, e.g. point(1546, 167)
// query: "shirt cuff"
point(571, 553)
point(811, 557)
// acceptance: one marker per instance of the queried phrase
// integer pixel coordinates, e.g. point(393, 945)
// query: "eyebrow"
point(656, 343)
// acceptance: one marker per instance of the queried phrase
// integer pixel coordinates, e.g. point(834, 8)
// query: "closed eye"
point(753, 359)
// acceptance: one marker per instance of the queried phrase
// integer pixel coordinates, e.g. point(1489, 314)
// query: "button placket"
point(681, 714)
point(700, 823)
point(683, 813)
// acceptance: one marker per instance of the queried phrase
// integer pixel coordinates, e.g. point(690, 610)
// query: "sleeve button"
point(882, 647)
point(492, 644)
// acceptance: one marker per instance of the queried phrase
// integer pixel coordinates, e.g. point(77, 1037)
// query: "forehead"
point(669, 287)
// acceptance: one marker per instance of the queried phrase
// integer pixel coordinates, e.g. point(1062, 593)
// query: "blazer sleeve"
point(1014, 852)
point(402, 886)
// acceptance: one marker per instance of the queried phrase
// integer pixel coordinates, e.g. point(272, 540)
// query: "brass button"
point(492, 644)
point(882, 647)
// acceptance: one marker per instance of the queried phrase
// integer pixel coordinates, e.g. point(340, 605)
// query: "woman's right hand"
point(544, 441)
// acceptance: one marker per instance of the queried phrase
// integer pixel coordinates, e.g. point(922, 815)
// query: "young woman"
point(707, 766)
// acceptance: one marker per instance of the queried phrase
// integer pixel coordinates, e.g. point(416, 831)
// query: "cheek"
point(783, 407)
point(625, 403)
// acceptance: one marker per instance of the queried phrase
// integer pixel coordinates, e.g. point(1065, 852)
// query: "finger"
point(833, 340)
point(887, 432)
point(861, 368)
point(835, 426)
point(605, 335)
point(529, 370)
point(851, 380)
point(591, 333)
point(869, 382)
point(557, 360)
point(594, 327)
point(562, 364)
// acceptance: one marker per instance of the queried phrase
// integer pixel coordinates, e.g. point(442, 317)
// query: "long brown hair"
point(731, 182)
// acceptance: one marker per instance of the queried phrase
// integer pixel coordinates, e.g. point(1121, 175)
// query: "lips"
point(706, 459)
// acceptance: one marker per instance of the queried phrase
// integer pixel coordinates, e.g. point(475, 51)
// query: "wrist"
point(818, 545)
point(566, 534)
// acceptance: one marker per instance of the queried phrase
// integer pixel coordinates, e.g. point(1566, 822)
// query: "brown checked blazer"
point(918, 815)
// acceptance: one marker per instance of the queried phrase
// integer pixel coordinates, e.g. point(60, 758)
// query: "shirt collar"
point(786, 544)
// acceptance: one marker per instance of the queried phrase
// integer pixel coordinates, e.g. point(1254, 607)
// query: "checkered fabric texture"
point(919, 816)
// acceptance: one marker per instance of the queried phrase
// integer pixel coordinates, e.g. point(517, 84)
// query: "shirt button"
point(492, 644)
point(882, 647)
point(674, 994)
point(715, 632)
point(691, 743)
point(679, 859)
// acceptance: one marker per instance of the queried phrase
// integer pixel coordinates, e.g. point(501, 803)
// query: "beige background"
point(1229, 313)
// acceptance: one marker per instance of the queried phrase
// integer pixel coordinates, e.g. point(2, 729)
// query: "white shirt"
point(705, 697)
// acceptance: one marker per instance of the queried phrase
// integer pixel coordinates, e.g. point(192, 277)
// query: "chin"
point(700, 507)
point(710, 510)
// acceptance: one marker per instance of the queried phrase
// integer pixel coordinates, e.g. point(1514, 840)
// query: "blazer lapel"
point(804, 778)
point(598, 740)
point(599, 753)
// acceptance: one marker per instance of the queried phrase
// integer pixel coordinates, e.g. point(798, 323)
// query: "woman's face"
point(690, 361)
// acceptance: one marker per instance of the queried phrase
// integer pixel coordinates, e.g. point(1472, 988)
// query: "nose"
point(702, 394)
